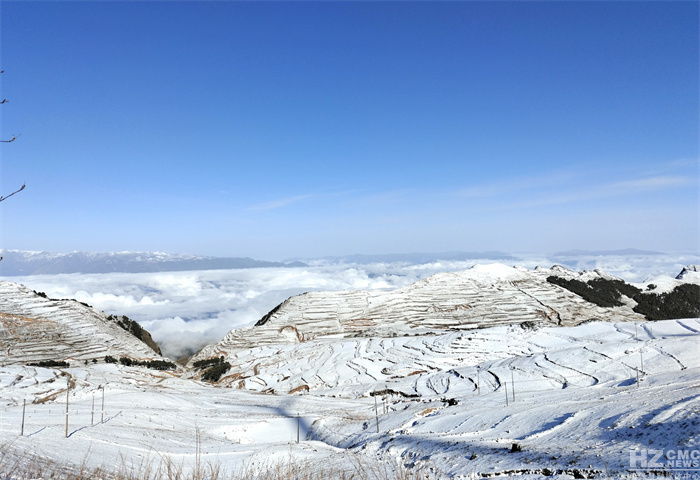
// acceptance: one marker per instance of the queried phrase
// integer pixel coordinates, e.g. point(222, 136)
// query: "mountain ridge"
point(423, 339)
point(18, 263)
point(482, 296)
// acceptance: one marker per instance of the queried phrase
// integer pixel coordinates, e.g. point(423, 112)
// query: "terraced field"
point(483, 296)
point(34, 328)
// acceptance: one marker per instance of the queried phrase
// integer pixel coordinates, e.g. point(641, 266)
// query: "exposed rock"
point(689, 271)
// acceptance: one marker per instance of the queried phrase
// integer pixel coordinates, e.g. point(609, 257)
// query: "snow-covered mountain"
point(16, 262)
point(359, 339)
point(490, 372)
point(34, 328)
point(483, 296)
point(690, 273)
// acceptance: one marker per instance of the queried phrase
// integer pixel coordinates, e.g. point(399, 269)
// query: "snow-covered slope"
point(459, 363)
point(666, 283)
point(568, 397)
point(691, 273)
point(483, 296)
point(34, 328)
point(489, 372)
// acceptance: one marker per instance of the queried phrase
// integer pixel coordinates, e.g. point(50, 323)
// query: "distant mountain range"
point(414, 258)
point(596, 253)
point(15, 262)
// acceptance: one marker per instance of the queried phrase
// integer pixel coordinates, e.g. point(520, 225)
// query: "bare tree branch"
point(14, 137)
point(16, 191)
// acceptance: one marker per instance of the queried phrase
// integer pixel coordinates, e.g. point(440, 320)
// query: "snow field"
point(576, 403)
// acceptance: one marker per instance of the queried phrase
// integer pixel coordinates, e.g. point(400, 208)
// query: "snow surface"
point(482, 296)
point(578, 396)
point(573, 403)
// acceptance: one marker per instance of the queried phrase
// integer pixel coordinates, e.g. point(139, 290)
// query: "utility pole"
point(505, 389)
point(92, 417)
point(103, 404)
point(478, 386)
point(298, 427)
point(67, 395)
point(512, 383)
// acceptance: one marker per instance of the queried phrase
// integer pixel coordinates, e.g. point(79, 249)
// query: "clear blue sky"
point(281, 129)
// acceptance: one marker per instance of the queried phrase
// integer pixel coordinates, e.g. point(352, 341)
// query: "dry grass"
point(300, 388)
point(427, 411)
point(162, 467)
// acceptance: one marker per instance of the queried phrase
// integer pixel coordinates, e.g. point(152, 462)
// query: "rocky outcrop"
point(691, 271)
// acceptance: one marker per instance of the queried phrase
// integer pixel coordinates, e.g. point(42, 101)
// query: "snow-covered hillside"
point(493, 371)
point(483, 296)
point(34, 328)
point(566, 397)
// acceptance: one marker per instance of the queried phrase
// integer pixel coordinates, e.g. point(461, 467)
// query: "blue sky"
point(283, 129)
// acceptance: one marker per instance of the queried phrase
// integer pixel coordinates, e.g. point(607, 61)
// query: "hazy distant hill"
point(596, 253)
point(416, 257)
point(16, 262)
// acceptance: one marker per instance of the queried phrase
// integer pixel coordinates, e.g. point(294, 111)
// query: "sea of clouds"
point(186, 310)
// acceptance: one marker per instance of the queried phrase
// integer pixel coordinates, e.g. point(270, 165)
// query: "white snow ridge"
point(488, 372)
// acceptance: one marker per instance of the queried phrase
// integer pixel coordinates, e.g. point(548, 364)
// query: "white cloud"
point(279, 203)
point(651, 183)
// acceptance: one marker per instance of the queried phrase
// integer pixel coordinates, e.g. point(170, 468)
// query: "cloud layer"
point(186, 310)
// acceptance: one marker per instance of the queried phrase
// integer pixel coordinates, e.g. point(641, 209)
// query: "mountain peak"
point(689, 271)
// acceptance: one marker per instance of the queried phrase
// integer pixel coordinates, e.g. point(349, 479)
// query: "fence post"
point(24, 408)
point(67, 396)
point(376, 415)
point(478, 386)
point(103, 403)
